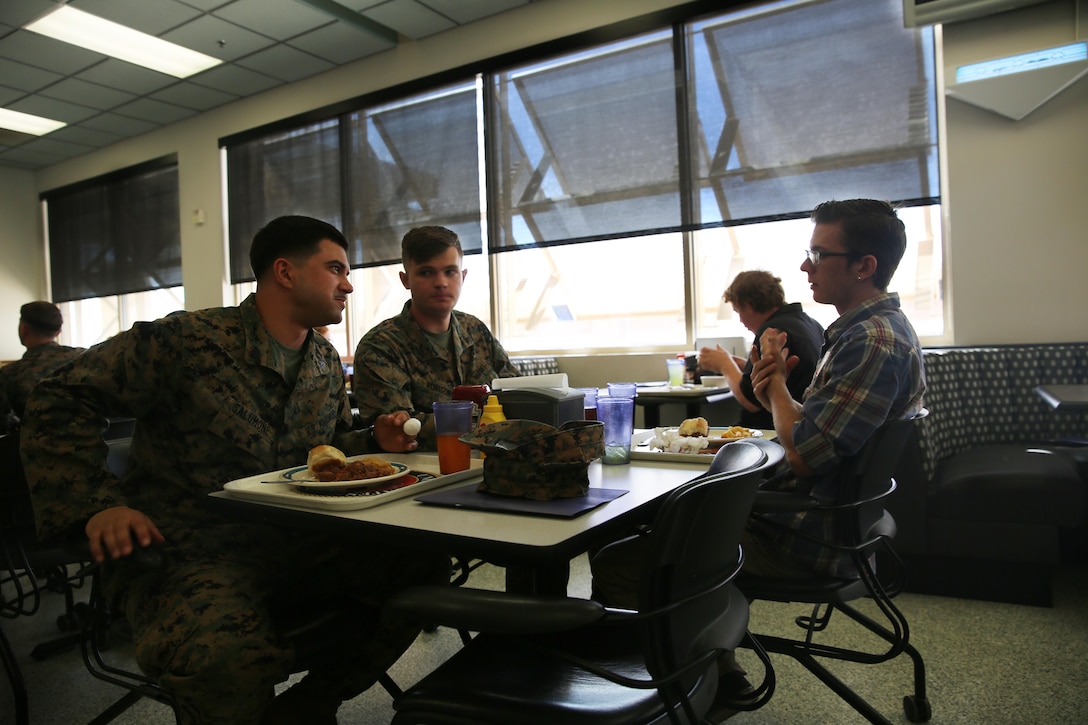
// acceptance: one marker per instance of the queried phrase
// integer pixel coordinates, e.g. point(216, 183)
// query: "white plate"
point(302, 478)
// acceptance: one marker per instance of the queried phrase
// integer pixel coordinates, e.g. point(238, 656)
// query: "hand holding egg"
point(412, 426)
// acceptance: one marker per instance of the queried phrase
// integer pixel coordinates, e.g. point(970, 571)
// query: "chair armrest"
point(779, 501)
point(478, 610)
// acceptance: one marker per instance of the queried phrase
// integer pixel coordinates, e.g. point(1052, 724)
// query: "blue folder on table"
point(568, 508)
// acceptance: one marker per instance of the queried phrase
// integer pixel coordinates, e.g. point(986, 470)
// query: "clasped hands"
point(771, 366)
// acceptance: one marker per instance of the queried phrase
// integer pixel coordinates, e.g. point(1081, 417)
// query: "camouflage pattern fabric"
point(528, 459)
point(19, 377)
point(397, 367)
point(204, 627)
point(211, 404)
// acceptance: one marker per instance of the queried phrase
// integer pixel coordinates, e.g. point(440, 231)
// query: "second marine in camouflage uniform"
point(214, 402)
point(399, 367)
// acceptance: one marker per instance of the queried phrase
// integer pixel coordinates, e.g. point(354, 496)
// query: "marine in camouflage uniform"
point(213, 403)
point(399, 367)
point(19, 377)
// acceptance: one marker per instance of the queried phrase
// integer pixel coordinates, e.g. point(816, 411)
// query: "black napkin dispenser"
point(554, 406)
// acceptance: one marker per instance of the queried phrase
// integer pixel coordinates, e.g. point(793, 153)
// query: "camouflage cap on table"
point(535, 460)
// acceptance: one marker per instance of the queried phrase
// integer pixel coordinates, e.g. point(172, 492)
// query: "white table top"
point(497, 536)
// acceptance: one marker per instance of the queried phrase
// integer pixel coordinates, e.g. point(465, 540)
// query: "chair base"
point(915, 704)
point(456, 693)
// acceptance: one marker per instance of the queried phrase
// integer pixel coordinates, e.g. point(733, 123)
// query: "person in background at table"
point(220, 394)
point(39, 326)
point(411, 360)
point(870, 372)
point(760, 302)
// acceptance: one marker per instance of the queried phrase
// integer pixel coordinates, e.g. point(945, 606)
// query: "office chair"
point(541, 659)
point(28, 569)
point(865, 530)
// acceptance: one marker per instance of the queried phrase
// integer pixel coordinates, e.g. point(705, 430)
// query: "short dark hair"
point(293, 237)
point(43, 317)
point(760, 290)
point(423, 243)
point(869, 226)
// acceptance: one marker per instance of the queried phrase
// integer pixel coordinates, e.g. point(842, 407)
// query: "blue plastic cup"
point(618, 415)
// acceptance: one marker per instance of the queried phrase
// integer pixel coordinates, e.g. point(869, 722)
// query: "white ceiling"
point(263, 43)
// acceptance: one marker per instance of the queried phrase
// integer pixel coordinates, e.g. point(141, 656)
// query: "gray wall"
point(1015, 195)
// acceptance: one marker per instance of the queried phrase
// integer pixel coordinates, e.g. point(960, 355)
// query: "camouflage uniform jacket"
point(398, 367)
point(17, 378)
point(211, 404)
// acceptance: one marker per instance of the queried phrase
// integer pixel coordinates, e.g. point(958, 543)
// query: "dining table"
point(1064, 397)
point(534, 537)
point(650, 397)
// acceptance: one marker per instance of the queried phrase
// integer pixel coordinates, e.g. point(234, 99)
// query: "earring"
point(859, 278)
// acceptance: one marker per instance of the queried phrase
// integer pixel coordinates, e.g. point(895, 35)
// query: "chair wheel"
point(916, 708)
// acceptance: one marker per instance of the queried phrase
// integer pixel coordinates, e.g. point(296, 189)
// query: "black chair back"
point(692, 557)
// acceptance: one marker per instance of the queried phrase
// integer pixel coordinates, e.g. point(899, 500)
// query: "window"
point(115, 250)
point(627, 182)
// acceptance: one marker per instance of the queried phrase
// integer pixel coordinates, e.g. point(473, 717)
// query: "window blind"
point(828, 100)
point(292, 172)
point(413, 164)
point(115, 234)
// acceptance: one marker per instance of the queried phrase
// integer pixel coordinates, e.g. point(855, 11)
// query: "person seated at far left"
point(220, 394)
point(40, 324)
point(418, 357)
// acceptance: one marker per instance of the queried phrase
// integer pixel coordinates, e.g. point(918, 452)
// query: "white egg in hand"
point(412, 426)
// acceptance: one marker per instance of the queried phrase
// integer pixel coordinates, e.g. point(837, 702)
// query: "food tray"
point(272, 487)
point(641, 452)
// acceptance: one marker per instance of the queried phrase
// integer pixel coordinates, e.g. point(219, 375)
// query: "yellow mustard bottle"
point(492, 413)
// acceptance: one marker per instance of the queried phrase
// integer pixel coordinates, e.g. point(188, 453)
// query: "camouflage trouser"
point(203, 624)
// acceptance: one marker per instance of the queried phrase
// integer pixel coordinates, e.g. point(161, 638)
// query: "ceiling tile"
point(283, 62)
point(190, 95)
point(86, 136)
point(92, 95)
point(18, 14)
point(47, 53)
point(339, 43)
point(217, 38)
point(409, 18)
point(206, 5)
point(22, 157)
point(279, 19)
point(149, 17)
point(25, 77)
point(148, 109)
point(230, 78)
point(121, 125)
point(126, 77)
point(7, 95)
point(50, 145)
point(52, 108)
point(9, 138)
point(467, 11)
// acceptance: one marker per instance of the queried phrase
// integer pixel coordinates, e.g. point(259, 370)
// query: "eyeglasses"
point(815, 255)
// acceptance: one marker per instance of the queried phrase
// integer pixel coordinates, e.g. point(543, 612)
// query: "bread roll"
point(325, 458)
point(694, 427)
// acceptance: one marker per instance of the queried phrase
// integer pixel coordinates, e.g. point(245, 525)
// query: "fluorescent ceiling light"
point(25, 123)
point(103, 36)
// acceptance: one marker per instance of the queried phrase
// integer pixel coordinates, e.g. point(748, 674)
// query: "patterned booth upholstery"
point(996, 479)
